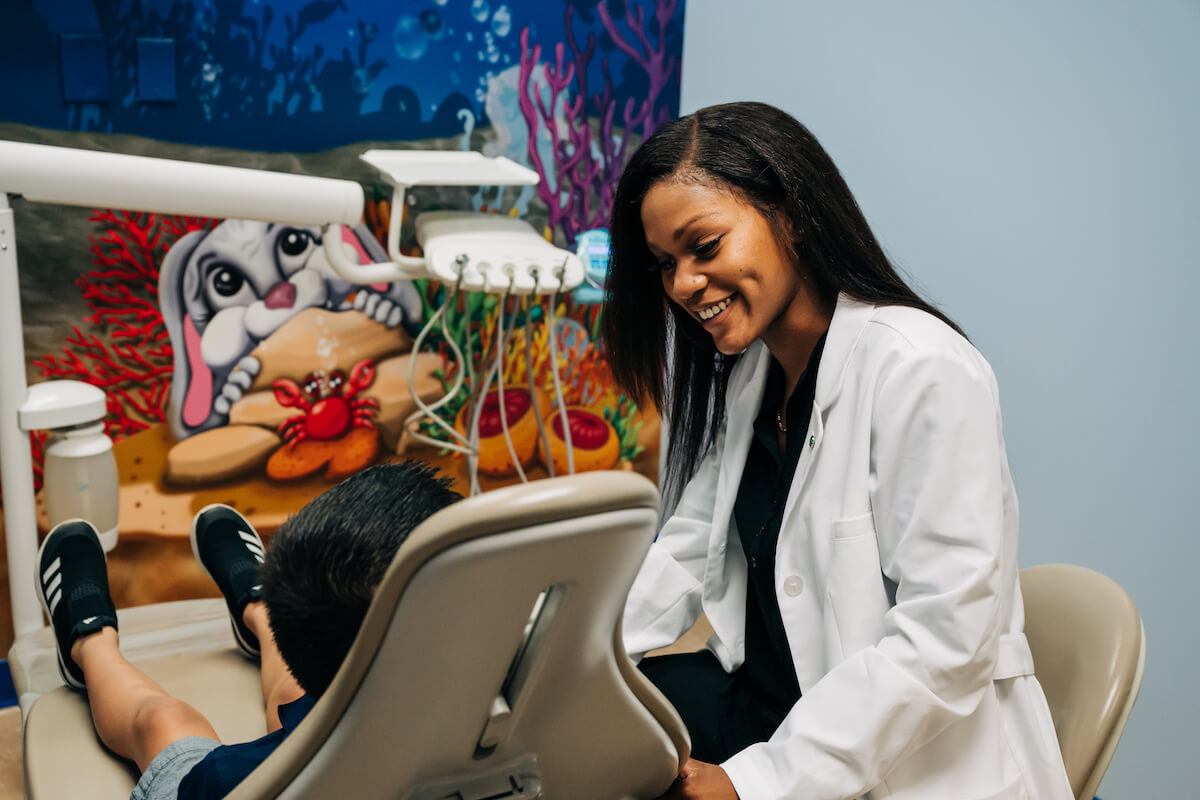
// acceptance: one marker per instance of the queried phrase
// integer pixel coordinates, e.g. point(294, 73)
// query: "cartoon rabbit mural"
point(224, 291)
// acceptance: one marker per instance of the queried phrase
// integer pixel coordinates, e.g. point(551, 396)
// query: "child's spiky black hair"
point(324, 564)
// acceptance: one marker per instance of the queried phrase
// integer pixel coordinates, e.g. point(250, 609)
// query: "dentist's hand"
point(701, 781)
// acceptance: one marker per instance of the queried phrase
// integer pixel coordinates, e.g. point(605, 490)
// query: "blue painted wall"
point(284, 75)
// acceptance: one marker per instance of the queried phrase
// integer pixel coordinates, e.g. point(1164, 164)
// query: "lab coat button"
point(793, 586)
point(812, 441)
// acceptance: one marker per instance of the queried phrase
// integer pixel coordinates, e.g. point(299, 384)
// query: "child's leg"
point(133, 715)
point(230, 550)
point(278, 686)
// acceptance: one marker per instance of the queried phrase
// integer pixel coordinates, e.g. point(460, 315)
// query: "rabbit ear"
point(198, 398)
point(368, 242)
point(177, 283)
point(350, 236)
point(366, 248)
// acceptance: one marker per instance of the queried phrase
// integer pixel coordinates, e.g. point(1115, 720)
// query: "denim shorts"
point(161, 779)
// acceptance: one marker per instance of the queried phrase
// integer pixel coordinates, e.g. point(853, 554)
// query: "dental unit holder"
point(489, 253)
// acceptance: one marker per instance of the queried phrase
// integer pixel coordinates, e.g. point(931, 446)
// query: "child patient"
point(297, 608)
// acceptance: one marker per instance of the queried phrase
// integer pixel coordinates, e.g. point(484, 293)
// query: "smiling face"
point(722, 263)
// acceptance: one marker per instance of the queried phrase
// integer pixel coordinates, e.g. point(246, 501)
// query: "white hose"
point(558, 392)
point(537, 410)
point(500, 353)
point(478, 393)
point(426, 411)
point(473, 429)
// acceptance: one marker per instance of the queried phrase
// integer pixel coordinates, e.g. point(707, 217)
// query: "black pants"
point(720, 709)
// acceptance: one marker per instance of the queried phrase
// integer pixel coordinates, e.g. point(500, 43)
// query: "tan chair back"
point(1089, 651)
point(453, 689)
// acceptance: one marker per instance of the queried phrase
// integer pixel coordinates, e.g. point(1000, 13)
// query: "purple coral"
point(652, 58)
point(580, 194)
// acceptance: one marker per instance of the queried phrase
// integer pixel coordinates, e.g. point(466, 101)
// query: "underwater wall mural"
point(307, 75)
point(255, 407)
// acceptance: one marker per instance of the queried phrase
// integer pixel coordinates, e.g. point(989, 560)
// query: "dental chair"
point(489, 665)
point(1089, 653)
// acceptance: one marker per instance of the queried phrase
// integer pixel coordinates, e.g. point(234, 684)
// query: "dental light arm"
point(93, 179)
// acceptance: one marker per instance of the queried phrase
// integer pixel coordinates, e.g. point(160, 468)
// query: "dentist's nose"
point(685, 281)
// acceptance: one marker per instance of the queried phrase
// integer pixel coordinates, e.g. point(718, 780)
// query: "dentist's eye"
point(293, 248)
point(663, 265)
point(708, 249)
point(225, 286)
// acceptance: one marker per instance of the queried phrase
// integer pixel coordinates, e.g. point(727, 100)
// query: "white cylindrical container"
point(80, 479)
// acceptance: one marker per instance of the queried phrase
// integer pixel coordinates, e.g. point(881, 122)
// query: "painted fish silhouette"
point(319, 11)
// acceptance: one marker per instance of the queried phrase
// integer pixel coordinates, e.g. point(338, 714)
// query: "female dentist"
point(845, 516)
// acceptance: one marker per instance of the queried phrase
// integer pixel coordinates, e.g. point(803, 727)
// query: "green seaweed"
point(622, 419)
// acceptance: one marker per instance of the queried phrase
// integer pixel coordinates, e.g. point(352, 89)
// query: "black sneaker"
point(229, 549)
point(72, 583)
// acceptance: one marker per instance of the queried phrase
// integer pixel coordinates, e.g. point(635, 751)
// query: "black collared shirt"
point(758, 512)
point(219, 772)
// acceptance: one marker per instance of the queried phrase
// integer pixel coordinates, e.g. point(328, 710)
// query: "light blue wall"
point(1035, 167)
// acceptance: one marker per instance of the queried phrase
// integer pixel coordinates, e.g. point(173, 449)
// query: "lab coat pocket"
point(856, 600)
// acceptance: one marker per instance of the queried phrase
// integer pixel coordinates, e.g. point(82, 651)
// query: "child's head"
point(324, 564)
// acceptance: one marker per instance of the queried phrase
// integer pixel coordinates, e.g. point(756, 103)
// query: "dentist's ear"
point(179, 280)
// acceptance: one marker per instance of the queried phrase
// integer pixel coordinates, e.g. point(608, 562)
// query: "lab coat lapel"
point(849, 319)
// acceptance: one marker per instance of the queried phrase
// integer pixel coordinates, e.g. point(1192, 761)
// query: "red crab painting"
point(336, 430)
point(330, 410)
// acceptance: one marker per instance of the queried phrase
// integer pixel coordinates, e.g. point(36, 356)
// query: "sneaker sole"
point(37, 581)
point(253, 652)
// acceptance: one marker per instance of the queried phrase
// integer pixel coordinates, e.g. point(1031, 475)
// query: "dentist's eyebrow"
point(682, 229)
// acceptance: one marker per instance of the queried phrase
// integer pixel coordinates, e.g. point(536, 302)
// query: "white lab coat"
point(896, 573)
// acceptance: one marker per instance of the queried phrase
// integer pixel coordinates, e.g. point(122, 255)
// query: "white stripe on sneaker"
point(50, 570)
point(249, 537)
point(54, 584)
point(54, 602)
point(258, 551)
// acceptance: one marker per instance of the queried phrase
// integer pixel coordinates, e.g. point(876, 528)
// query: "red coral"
point(130, 356)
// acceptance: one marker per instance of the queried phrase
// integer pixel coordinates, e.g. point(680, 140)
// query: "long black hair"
point(771, 161)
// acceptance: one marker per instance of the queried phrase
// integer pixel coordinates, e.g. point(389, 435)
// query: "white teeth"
point(712, 311)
